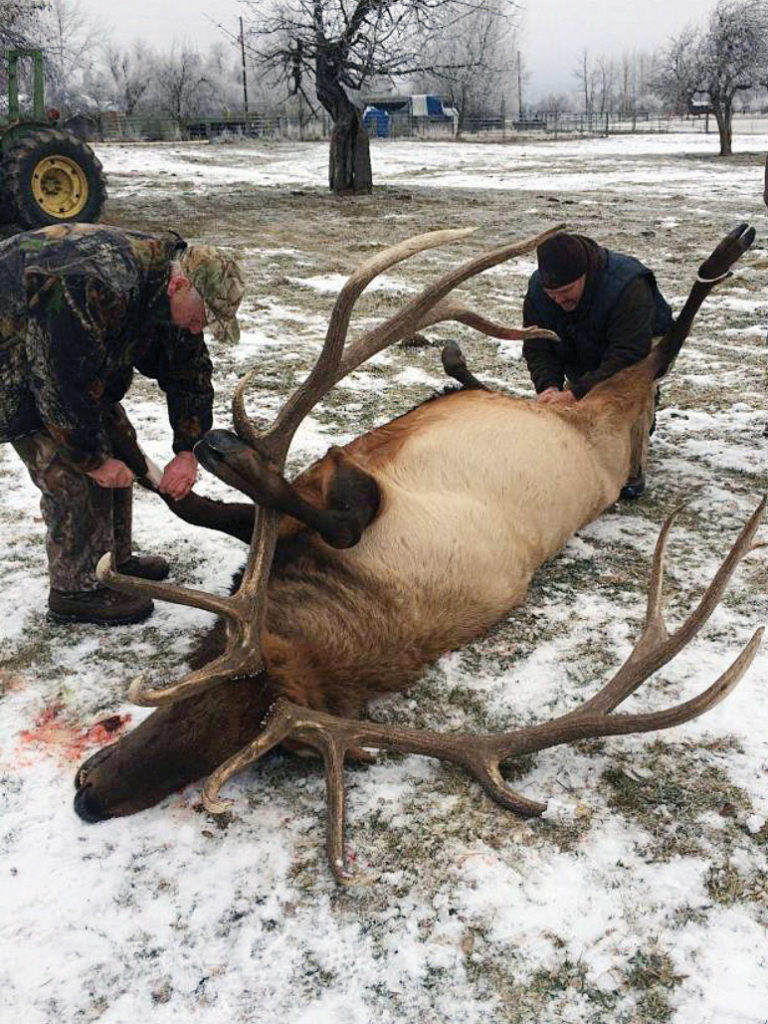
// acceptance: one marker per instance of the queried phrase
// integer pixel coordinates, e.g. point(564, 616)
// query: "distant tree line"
point(325, 55)
point(720, 65)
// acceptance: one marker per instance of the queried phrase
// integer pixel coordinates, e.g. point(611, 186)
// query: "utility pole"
point(519, 86)
point(245, 81)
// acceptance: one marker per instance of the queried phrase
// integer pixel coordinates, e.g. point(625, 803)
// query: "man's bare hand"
point(554, 396)
point(547, 396)
point(112, 473)
point(179, 476)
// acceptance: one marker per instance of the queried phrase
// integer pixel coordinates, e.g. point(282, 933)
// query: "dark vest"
point(583, 332)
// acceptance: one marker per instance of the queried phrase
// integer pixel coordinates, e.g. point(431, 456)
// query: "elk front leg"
point(350, 496)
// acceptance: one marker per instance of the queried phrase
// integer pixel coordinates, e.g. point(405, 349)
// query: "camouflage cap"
point(220, 283)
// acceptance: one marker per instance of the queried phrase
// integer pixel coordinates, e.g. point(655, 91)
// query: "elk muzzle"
point(171, 748)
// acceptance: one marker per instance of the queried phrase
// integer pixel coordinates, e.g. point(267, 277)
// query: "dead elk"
point(408, 542)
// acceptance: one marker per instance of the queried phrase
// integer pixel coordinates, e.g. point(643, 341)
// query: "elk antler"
point(244, 611)
point(430, 307)
point(482, 756)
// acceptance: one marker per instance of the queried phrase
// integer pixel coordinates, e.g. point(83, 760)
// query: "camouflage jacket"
point(81, 307)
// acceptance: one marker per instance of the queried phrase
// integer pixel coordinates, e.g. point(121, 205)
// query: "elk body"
point(406, 543)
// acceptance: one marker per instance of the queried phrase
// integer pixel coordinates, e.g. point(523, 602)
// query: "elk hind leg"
point(639, 441)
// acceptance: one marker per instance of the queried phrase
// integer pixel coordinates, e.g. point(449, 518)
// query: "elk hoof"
point(223, 442)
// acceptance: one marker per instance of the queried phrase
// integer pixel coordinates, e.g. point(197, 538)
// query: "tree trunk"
point(462, 102)
point(349, 170)
point(724, 116)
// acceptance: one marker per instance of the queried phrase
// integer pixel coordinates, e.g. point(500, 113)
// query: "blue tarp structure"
point(376, 122)
point(378, 116)
point(427, 106)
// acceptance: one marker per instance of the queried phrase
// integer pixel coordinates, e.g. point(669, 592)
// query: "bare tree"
point(728, 57)
point(339, 46)
point(131, 72)
point(477, 67)
point(181, 86)
point(555, 103)
point(71, 37)
point(606, 76)
point(223, 72)
point(19, 20)
point(678, 78)
point(584, 73)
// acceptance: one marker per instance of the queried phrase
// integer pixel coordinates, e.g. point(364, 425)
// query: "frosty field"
point(642, 896)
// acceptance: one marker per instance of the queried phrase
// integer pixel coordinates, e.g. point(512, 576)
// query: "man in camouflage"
point(81, 307)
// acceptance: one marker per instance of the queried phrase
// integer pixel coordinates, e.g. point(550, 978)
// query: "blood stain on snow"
point(67, 740)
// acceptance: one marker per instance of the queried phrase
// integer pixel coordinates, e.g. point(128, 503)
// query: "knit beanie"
point(562, 259)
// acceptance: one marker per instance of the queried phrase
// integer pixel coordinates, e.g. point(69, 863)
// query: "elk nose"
point(88, 805)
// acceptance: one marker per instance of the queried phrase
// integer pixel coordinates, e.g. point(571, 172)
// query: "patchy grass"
point(671, 790)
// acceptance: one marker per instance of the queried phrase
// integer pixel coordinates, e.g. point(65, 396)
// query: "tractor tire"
point(51, 177)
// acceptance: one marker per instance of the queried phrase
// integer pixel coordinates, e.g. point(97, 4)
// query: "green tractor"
point(47, 174)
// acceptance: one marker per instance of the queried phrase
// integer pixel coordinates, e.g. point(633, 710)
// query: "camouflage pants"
point(83, 520)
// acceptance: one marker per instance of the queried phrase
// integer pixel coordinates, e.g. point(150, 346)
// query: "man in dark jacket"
point(605, 308)
point(81, 307)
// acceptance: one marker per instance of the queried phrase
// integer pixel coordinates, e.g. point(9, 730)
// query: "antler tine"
point(244, 426)
point(276, 439)
point(276, 727)
point(452, 309)
point(654, 619)
point(228, 666)
point(413, 314)
point(656, 646)
point(164, 591)
point(335, 362)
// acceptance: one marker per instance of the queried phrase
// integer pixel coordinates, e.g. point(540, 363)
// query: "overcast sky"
point(553, 34)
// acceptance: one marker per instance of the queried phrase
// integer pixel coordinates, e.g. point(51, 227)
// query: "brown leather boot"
point(103, 606)
point(148, 567)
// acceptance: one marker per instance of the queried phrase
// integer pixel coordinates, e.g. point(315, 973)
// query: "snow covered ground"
point(643, 894)
point(559, 165)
